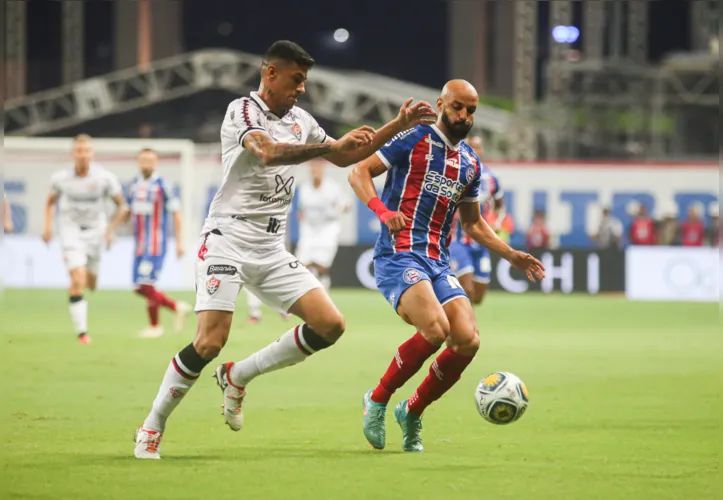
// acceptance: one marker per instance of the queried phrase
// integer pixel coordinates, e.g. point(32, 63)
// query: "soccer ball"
point(501, 398)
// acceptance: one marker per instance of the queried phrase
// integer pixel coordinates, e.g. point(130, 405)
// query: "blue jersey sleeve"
point(129, 193)
point(397, 150)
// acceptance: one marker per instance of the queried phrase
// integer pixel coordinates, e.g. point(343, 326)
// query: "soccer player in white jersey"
point(7, 216)
point(263, 138)
point(80, 193)
point(321, 204)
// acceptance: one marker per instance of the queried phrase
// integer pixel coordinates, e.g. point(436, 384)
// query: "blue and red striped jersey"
point(490, 190)
point(150, 201)
point(428, 177)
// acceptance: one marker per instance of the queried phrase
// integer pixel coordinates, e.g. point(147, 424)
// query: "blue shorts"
point(395, 273)
point(146, 269)
point(465, 259)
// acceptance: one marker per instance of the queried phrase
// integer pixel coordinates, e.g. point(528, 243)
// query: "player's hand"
point(532, 267)
point(47, 235)
point(180, 250)
point(357, 138)
point(395, 221)
point(411, 115)
point(109, 237)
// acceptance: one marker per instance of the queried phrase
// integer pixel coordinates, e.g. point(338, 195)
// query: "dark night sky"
point(408, 41)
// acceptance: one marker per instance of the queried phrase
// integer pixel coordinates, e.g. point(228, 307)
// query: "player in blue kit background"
point(469, 260)
point(150, 202)
point(431, 173)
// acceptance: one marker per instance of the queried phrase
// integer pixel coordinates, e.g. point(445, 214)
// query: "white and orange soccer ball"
point(501, 398)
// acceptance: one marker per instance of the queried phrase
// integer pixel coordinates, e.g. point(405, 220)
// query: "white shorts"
point(317, 251)
point(224, 266)
point(82, 248)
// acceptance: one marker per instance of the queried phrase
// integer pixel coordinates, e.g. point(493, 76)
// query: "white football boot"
point(182, 310)
point(148, 444)
point(151, 332)
point(233, 397)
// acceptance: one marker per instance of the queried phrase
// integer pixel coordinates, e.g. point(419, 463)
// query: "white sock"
point(292, 348)
point(325, 280)
point(253, 303)
point(79, 313)
point(177, 381)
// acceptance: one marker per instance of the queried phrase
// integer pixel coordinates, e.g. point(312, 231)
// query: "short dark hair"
point(286, 50)
point(147, 150)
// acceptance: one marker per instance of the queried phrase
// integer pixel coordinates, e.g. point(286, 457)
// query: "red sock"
point(164, 300)
point(409, 358)
point(150, 293)
point(445, 371)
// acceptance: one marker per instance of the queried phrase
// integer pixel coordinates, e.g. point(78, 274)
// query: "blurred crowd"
point(692, 231)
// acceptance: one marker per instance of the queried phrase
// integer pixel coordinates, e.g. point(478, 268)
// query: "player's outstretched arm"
point(272, 153)
point(477, 228)
point(409, 116)
point(361, 182)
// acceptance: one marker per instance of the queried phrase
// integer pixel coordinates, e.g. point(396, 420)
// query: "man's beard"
point(459, 130)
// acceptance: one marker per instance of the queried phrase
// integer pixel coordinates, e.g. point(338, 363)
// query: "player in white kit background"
point(321, 205)
point(263, 137)
point(80, 193)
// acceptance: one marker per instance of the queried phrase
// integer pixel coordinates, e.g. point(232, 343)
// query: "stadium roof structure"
point(349, 97)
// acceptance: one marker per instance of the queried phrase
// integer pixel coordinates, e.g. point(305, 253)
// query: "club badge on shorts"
point(296, 130)
point(411, 276)
point(212, 285)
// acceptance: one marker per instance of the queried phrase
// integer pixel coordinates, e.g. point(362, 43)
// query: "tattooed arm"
point(272, 153)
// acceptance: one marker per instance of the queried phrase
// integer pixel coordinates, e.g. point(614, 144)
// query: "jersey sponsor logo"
point(212, 285)
point(399, 136)
point(428, 139)
point(440, 185)
point(275, 199)
point(452, 162)
point(284, 185)
point(411, 276)
point(221, 269)
point(296, 130)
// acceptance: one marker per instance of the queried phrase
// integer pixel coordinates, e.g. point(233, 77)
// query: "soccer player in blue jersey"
point(469, 260)
point(150, 202)
point(431, 173)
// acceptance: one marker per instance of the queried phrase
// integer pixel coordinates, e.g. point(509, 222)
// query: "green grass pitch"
point(623, 404)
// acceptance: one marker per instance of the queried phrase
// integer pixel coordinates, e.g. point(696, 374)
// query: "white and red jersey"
point(81, 200)
point(258, 195)
point(150, 201)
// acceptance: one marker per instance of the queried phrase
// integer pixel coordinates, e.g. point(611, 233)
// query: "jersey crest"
point(296, 130)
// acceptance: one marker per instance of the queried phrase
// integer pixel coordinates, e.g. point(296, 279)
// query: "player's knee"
point(330, 327)
point(212, 334)
point(435, 330)
point(467, 343)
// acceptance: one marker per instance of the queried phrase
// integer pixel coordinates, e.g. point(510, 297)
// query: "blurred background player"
point(150, 201)
point(470, 261)
point(7, 216)
point(431, 173)
point(80, 193)
point(321, 204)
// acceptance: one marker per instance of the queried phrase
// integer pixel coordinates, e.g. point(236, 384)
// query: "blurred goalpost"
point(29, 162)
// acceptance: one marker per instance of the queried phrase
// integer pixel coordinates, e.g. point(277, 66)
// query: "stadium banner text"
point(568, 271)
point(572, 195)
